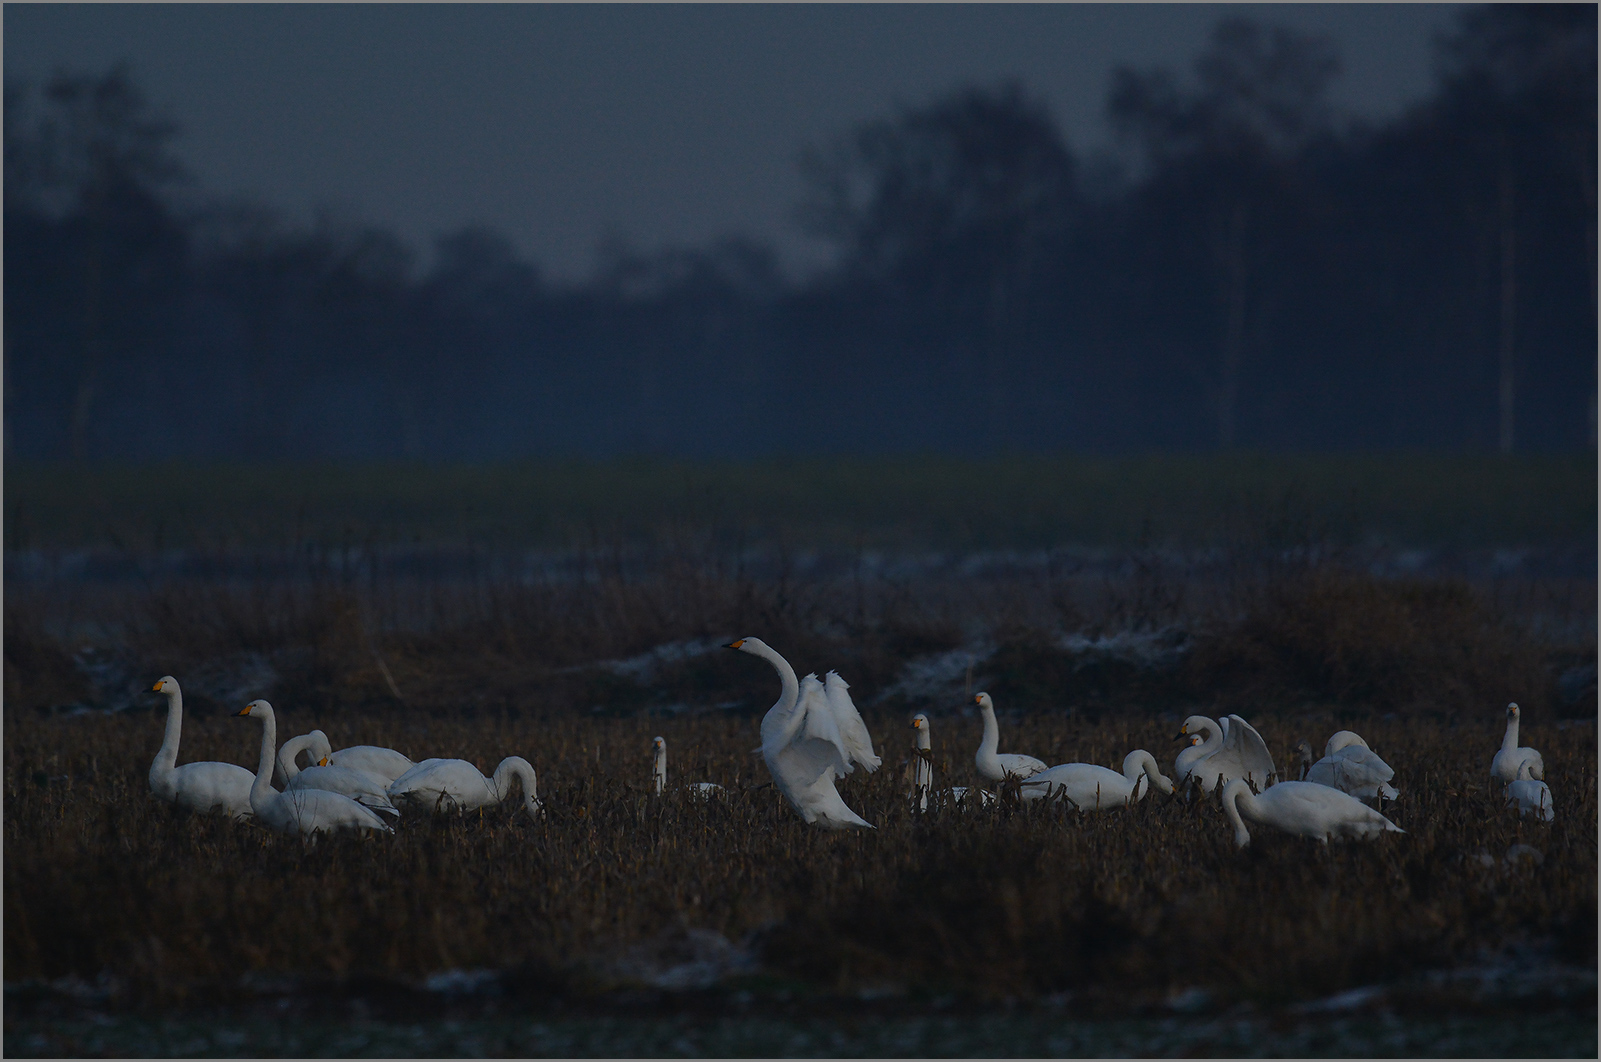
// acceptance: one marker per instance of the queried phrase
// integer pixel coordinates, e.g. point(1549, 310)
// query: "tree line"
point(1255, 273)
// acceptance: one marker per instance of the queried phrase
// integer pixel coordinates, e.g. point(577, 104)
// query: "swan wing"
point(818, 723)
point(1245, 747)
point(1362, 766)
point(386, 763)
point(852, 730)
point(209, 785)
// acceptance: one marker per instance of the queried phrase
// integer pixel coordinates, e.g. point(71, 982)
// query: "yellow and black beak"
point(243, 711)
point(323, 762)
point(735, 645)
point(156, 688)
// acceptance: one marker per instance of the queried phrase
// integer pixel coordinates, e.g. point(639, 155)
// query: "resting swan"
point(206, 785)
point(365, 788)
point(1351, 767)
point(806, 746)
point(659, 774)
point(1529, 794)
point(455, 785)
point(302, 811)
point(993, 766)
point(1510, 759)
point(1305, 809)
point(1233, 750)
point(374, 759)
point(1089, 787)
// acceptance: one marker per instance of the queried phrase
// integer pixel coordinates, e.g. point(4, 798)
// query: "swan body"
point(1351, 767)
point(302, 811)
point(993, 766)
point(804, 748)
point(443, 786)
point(1305, 809)
point(1089, 787)
point(1232, 750)
point(205, 785)
point(1510, 759)
point(659, 774)
point(1530, 795)
point(367, 789)
point(385, 763)
point(959, 796)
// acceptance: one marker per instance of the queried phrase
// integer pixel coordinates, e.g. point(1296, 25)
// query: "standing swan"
point(456, 785)
point(922, 763)
point(1528, 794)
point(1302, 808)
point(1510, 759)
point(659, 774)
point(1089, 787)
point(302, 811)
point(205, 785)
point(1351, 767)
point(804, 748)
point(993, 766)
point(1234, 750)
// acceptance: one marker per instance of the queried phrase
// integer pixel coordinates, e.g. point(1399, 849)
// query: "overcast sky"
point(563, 125)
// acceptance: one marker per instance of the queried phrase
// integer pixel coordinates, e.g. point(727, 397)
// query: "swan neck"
point(1214, 737)
point(516, 767)
point(167, 758)
point(1510, 742)
point(289, 755)
point(786, 675)
point(1233, 793)
point(660, 771)
point(261, 789)
point(992, 733)
point(924, 742)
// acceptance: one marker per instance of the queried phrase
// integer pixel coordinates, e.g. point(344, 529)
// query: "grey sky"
point(658, 124)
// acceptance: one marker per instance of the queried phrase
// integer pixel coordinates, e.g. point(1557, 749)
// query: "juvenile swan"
point(302, 811)
point(993, 766)
point(205, 785)
point(1511, 758)
point(1302, 808)
point(455, 785)
point(804, 748)
point(1089, 787)
point(1530, 795)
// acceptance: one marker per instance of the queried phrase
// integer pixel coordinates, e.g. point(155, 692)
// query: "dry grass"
point(1122, 906)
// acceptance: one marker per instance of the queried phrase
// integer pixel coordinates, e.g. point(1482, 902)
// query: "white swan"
point(206, 785)
point(1089, 787)
point(922, 773)
point(993, 766)
point(365, 788)
point(803, 747)
point(1234, 750)
point(1302, 808)
point(659, 774)
point(1530, 794)
point(1510, 759)
point(302, 811)
point(374, 759)
point(1351, 767)
point(443, 786)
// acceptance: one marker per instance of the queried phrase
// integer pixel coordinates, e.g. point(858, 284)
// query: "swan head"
point(984, 702)
point(919, 721)
point(256, 709)
point(659, 744)
point(1303, 752)
point(754, 646)
point(1512, 712)
point(165, 684)
point(1197, 725)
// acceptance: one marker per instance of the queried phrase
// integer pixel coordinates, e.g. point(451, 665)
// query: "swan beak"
point(1179, 736)
point(735, 645)
point(243, 711)
point(323, 762)
point(156, 688)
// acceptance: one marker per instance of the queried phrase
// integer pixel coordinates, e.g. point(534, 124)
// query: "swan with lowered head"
point(1510, 759)
point(1351, 767)
point(367, 789)
point(804, 746)
point(205, 785)
point(1529, 794)
point(1089, 787)
point(445, 786)
point(1232, 750)
point(997, 767)
point(659, 774)
point(1305, 809)
point(374, 759)
point(302, 811)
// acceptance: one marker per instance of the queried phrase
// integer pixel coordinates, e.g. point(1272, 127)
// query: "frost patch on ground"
point(931, 677)
point(680, 959)
point(1160, 648)
point(644, 667)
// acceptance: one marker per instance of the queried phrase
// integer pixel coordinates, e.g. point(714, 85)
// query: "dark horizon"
point(1262, 274)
